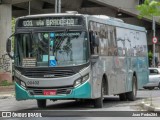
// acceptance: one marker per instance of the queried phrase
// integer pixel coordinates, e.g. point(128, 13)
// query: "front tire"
point(131, 96)
point(122, 97)
point(98, 103)
point(41, 103)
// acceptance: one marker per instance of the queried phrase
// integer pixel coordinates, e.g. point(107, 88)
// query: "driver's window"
point(94, 38)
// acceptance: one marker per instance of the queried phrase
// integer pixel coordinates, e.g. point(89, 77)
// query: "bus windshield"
point(51, 49)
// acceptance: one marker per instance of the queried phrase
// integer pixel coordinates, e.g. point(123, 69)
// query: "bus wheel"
point(98, 103)
point(132, 95)
point(41, 103)
point(122, 97)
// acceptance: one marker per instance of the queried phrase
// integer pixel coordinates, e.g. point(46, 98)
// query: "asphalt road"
point(111, 103)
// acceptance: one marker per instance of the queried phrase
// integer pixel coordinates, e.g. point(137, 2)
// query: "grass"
point(5, 83)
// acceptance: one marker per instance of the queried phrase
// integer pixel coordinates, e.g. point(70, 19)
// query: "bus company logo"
point(6, 114)
point(49, 76)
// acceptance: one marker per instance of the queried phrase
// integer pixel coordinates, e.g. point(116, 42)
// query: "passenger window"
point(103, 39)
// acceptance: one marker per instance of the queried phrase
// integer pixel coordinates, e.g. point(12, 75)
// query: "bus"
point(72, 56)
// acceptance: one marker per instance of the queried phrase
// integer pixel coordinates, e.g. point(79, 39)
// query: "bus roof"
point(97, 18)
point(50, 15)
point(115, 22)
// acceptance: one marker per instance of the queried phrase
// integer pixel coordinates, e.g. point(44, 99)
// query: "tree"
point(13, 30)
point(150, 57)
point(149, 9)
point(13, 25)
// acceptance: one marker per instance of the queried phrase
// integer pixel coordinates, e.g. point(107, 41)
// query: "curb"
point(149, 107)
point(6, 96)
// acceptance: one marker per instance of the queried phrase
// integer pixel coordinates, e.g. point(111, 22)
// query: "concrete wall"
point(123, 5)
point(5, 32)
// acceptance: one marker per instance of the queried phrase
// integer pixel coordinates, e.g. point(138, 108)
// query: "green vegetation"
point(150, 55)
point(13, 30)
point(5, 83)
point(149, 9)
point(13, 25)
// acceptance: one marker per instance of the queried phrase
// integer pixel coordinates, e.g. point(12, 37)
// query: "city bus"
point(72, 56)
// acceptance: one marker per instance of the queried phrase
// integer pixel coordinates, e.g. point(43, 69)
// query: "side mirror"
point(94, 59)
point(9, 46)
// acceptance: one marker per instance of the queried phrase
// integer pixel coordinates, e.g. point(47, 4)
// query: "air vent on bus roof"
point(107, 18)
point(102, 16)
point(116, 19)
point(72, 12)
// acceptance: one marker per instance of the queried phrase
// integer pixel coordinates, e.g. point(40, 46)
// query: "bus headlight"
point(81, 80)
point(23, 84)
point(77, 82)
point(85, 78)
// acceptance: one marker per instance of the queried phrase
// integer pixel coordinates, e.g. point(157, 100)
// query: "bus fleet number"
point(27, 23)
point(33, 83)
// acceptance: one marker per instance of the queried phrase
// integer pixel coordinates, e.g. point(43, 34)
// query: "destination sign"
point(48, 22)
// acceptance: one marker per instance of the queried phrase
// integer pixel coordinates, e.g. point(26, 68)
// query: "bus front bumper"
point(81, 92)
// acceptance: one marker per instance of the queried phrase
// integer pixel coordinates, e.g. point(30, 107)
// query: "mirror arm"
point(10, 56)
point(7, 47)
point(94, 59)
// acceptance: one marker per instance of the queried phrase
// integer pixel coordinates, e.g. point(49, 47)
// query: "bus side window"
point(113, 50)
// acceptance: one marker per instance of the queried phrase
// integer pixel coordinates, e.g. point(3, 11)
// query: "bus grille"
point(59, 91)
point(48, 73)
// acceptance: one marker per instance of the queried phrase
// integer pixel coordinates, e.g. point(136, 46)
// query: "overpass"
point(124, 9)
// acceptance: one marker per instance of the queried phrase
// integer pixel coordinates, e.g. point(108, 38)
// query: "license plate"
point(49, 92)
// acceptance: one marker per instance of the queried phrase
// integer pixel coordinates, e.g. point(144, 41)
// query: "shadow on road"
point(108, 102)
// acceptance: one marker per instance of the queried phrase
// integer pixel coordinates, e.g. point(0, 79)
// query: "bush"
point(5, 83)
